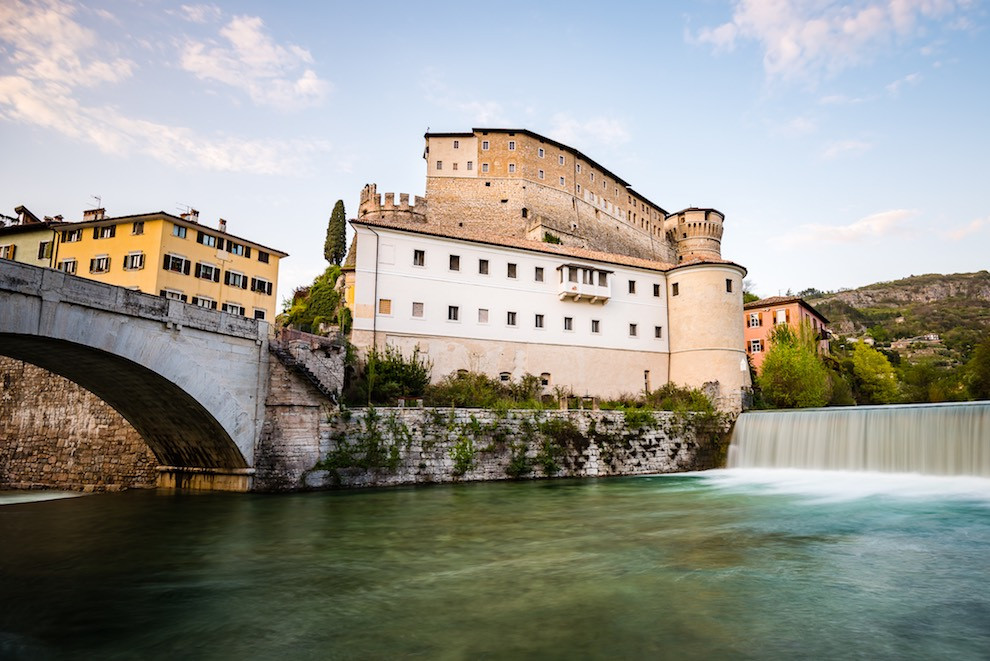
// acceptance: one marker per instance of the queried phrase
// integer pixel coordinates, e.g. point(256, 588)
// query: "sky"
point(845, 142)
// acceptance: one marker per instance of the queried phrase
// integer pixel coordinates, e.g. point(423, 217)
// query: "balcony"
point(583, 283)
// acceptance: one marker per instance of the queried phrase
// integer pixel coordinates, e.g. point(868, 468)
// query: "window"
point(512, 145)
point(454, 166)
point(538, 274)
point(602, 278)
point(592, 176)
point(482, 316)
point(540, 174)
point(259, 314)
point(572, 274)
point(470, 165)
point(579, 188)
point(674, 289)
point(417, 310)
point(261, 286)
point(233, 308)
point(179, 231)
point(538, 321)
point(504, 376)
point(755, 346)
point(562, 181)
point(568, 323)
point(134, 261)
point(510, 270)
point(107, 232)
point(560, 159)
point(207, 240)
point(455, 263)
point(384, 306)
point(457, 144)
point(728, 286)
point(483, 266)
point(510, 318)
point(545, 379)
point(484, 167)
point(262, 256)
point(512, 168)
point(658, 332)
point(656, 289)
point(44, 250)
point(453, 312)
point(67, 266)
point(596, 326)
point(439, 165)
point(174, 295)
point(484, 146)
point(71, 236)
point(419, 257)
point(238, 249)
point(755, 319)
point(540, 152)
point(632, 330)
point(235, 279)
point(204, 302)
point(137, 227)
point(8, 251)
point(207, 272)
point(781, 317)
point(578, 168)
point(176, 264)
point(632, 286)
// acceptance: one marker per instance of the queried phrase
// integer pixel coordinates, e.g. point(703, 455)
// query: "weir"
point(933, 439)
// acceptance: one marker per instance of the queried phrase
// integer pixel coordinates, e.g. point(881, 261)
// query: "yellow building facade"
point(158, 253)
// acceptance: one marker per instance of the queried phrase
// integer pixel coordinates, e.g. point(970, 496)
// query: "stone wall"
point(55, 434)
point(387, 447)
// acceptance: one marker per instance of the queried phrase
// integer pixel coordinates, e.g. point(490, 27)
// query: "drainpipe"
point(53, 259)
point(374, 302)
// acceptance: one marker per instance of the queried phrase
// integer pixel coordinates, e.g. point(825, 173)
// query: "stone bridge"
point(192, 382)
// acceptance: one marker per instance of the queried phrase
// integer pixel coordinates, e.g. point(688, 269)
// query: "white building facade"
point(593, 323)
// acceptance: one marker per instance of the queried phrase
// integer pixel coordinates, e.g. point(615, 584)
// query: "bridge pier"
point(209, 479)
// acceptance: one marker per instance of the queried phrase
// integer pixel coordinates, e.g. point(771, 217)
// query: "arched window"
point(525, 212)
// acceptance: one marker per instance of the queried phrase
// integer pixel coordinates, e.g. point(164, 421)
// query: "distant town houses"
point(760, 317)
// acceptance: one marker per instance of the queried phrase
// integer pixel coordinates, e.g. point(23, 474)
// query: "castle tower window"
point(568, 323)
point(512, 145)
point(525, 212)
point(560, 159)
point(595, 326)
point(658, 332)
point(538, 321)
point(561, 181)
point(674, 289)
point(510, 270)
point(484, 145)
point(483, 266)
point(602, 278)
point(419, 257)
point(579, 188)
point(455, 263)
point(578, 166)
point(470, 165)
point(453, 312)
point(482, 316)
point(512, 168)
point(457, 144)
point(540, 174)
point(538, 274)
point(728, 286)
point(632, 330)
point(454, 166)
point(439, 165)
point(484, 167)
point(572, 274)
point(632, 286)
point(417, 309)
point(510, 318)
point(540, 152)
point(656, 289)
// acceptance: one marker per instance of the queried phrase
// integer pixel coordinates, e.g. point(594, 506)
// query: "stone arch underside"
point(177, 428)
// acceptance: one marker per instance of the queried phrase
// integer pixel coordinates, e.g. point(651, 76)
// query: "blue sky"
point(846, 143)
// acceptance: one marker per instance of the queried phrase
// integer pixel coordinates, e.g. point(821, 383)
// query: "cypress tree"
point(335, 247)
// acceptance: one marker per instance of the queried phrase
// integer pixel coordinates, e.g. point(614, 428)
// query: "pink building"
point(759, 318)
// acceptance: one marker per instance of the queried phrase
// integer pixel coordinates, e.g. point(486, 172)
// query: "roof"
point(531, 245)
point(24, 228)
point(155, 215)
point(783, 300)
point(559, 145)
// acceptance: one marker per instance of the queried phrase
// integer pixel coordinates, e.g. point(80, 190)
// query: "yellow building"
point(28, 239)
point(158, 253)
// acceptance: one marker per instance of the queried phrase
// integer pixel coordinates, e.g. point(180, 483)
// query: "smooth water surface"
point(726, 564)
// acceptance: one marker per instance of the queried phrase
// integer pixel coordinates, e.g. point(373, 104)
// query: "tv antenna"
point(99, 201)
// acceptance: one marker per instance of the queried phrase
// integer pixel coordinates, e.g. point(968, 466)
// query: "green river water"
point(721, 565)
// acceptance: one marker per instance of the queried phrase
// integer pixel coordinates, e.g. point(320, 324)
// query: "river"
point(726, 564)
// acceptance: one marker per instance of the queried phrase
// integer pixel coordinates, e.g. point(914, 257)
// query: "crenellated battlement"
point(371, 205)
point(697, 233)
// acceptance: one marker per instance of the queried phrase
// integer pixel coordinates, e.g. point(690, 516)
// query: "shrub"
point(386, 375)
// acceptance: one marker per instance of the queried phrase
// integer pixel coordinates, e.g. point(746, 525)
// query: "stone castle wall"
point(57, 435)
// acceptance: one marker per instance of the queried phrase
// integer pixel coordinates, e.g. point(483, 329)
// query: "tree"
point(335, 247)
point(748, 295)
point(320, 303)
point(793, 375)
point(978, 369)
point(874, 380)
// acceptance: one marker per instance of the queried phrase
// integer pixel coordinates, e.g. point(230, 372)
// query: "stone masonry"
point(57, 435)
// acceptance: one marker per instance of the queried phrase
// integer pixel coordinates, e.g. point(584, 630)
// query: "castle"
point(526, 256)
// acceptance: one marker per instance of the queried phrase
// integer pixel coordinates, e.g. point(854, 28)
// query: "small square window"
point(728, 285)
point(482, 316)
point(510, 318)
point(656, 289)
point(138, 227)
point(674, 289)
point(179, 231)
point(632, 330)
point(658, 332)
point(455, 263)
point(568, 323)
point(483, 266)
point(419, 257)
point(755, 346)
point(417, 310)
point(538, 274)
point(384, 306)
point(632, 286)
point(510, 270)
point(538, 321)
point(595, 326)
point(453, 312)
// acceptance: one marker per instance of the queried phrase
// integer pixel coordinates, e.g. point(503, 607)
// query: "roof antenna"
point(99, 201)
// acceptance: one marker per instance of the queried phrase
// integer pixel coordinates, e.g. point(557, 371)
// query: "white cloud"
point(846, 148)
point(911, 79)
point(875, 226)
point(200, 13)
point(53, 56)
point(966, 230)
point(475, 111)
point(271, 74)
point(606, 131)
point(810, 38)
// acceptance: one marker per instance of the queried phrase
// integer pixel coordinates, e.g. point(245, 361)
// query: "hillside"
point(956, 307)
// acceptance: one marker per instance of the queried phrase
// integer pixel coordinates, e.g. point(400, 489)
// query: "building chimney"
point(192, 215)
point(94, 214)
point(223, 225)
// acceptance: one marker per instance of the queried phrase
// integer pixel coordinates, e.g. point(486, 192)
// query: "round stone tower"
point(697, 233)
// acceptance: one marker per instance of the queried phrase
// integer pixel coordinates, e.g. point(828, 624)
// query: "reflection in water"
point(697, 566)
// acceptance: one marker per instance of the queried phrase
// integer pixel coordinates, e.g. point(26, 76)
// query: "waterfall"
point(935, 439)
